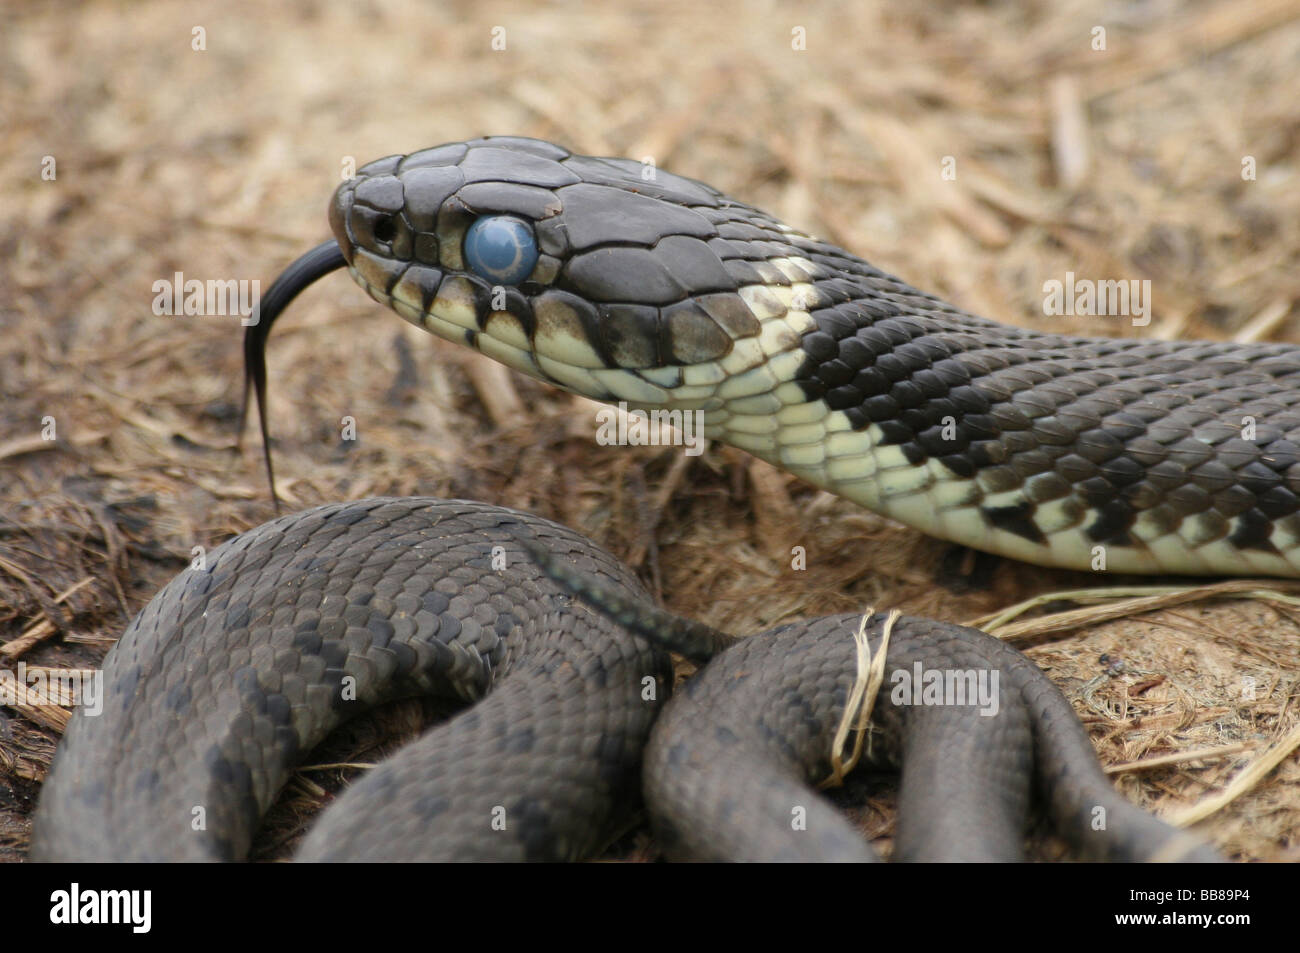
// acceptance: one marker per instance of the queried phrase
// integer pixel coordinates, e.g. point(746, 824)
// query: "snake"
point(627, 284)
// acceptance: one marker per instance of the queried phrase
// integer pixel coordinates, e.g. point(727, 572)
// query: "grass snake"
point(622, 282)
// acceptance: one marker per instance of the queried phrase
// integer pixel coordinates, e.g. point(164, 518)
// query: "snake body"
point(626, 283)
point(235, 671)
point(661, 292)
point(730, 760)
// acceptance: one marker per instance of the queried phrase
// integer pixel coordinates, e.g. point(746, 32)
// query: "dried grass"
point(1117, 164)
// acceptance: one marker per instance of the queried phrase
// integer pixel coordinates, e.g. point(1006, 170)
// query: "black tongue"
point(321, 260)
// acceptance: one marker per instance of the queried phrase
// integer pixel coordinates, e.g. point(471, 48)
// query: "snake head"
point(607, 277)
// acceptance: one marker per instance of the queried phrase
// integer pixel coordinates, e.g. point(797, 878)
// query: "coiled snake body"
point(626, 283)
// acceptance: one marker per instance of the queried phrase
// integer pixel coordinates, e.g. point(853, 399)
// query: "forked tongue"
point(320, 261)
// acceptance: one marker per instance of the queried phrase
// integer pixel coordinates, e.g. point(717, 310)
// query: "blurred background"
point(1118, 140)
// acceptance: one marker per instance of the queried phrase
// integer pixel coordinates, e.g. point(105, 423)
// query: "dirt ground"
point(1172, 154)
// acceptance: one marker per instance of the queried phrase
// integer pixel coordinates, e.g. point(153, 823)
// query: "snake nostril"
point(385, 229)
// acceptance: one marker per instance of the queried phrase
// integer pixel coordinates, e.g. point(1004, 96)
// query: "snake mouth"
point(320, 261)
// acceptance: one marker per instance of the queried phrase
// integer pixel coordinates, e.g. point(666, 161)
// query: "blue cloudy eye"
point(501, 249)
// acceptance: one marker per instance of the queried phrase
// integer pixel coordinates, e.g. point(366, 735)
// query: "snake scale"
point(625, 283)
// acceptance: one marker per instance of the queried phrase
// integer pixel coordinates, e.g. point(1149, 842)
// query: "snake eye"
point(501, 249)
